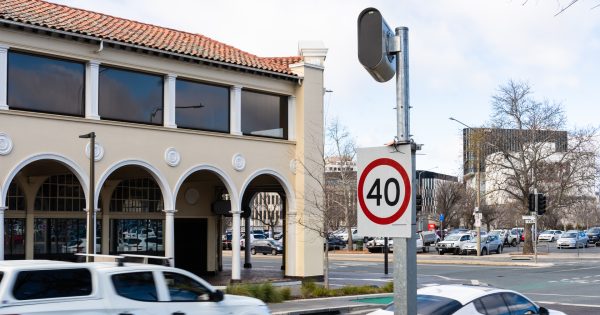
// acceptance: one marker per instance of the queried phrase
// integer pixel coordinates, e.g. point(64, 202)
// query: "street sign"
point(441, 217)
point(477, 222)
point(529, 217)
point(530, 221)
point(384, 191)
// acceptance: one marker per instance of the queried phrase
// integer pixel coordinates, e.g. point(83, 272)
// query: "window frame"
point(284, 122)
point(189, 80)
point(53, 57)
point(140, 71)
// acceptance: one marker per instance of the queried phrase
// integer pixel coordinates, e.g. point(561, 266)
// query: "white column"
point(91, 89)
point(169, 101)
point(291, 117)
point(3, 78)
point(291, 250)
point(235, 244)
point(2, 209)
point(235, 108)
point(169, 238)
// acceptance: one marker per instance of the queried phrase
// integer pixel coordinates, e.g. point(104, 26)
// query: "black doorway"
point(191, 245)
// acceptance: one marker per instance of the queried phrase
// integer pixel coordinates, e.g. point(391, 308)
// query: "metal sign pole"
point(405, 259)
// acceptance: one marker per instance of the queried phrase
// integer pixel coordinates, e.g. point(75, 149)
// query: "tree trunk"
point(528, 244)
point(326, 266)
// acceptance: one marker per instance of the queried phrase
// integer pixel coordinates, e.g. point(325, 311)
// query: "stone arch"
point(70, 164)
point(221, 174)
point(154, 172)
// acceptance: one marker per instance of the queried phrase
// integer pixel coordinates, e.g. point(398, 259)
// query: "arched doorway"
point(264, 194)
point(203, 200)
point(131, 202)
point(45, 217)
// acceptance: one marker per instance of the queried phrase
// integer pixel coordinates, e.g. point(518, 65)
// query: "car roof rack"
point(123, 258)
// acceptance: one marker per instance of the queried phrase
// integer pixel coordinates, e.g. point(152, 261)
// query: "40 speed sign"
point(384, 191)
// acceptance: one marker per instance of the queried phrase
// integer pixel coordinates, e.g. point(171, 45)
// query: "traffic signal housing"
point(541, 204)
point(419, 202)
point(531, 203)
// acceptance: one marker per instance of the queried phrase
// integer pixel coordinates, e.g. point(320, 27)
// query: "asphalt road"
point(571, 285)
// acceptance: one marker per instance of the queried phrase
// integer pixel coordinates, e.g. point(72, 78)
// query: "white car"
point(103, 288)
point(572, 239)
point(549, 235)
point(453, 243)
point(467, 300)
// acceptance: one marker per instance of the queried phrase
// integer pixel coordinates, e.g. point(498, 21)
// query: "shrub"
point(265, 292)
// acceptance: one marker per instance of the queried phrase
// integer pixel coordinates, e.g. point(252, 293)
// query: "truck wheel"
point(441, 252)
point(513, 243)
point(484, 251)
point(253, 251)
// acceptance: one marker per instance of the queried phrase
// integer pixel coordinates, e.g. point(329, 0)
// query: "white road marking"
point(378, 280)
point(566, 295)
point(568, 304)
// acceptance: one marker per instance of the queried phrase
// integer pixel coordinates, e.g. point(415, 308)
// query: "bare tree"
point(332, 198)
point(564, 5)
point(447, 199)
point(266, 208)
point(537, 155)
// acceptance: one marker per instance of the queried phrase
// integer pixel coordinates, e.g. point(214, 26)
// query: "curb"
point(359, 306)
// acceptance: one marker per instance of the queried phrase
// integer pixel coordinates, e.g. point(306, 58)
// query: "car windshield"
point(273, 242)
point(569, 235)
point(593, 230)
point(453, 237)
point(432, 305)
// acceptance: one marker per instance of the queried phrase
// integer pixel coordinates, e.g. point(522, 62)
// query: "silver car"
point(489, 243)
point(572, 239)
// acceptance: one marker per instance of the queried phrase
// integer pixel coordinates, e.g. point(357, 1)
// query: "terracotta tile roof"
point(64, 18)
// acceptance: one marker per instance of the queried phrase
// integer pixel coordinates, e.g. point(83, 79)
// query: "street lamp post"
point(476, 212)
point(91, 224)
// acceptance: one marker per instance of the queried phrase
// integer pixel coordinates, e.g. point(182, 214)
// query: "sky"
point(460, 52)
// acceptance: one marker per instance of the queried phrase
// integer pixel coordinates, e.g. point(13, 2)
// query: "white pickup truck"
point(103, 288)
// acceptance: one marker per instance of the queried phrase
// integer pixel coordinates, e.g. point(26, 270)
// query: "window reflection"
point(264, 115)
point(45, 84)
point(61, 238)
point(130, 96)
point(202, 106)
point(137, 235)
point(14, 238)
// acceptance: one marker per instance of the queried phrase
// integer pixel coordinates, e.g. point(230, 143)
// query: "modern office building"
point(187, 129)
point(427, 184)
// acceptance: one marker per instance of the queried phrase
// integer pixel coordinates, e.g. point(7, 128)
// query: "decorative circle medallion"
point(172, 157)
point(6, 144)
point(98, 151)
point(239, 162)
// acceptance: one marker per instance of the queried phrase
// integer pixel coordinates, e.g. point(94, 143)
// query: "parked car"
point(377, 245)
point(452, 243)
point(112, 288)
point(429, 238)
point(355, 235)
point(572, 239)
point(226, 240)
point(468, 299)
point(593, 234)
point(253, 237)
point(335, 243)
point(549, 235)
point(489, 243)
point(514, 237)
point(266, 247)
point(502, 235)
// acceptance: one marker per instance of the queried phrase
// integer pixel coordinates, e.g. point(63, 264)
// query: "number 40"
point(374, 192)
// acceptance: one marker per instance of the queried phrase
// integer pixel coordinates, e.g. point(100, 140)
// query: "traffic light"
point(419, 202)
point(541, 204)
point(531, 203)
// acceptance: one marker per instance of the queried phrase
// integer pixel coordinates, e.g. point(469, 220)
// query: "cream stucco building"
point(182, 122)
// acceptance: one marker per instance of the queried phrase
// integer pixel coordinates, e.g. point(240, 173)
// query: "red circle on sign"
point(405, 180)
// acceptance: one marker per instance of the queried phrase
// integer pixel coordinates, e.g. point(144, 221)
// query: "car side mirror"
point(543, 311)
point(217, 296)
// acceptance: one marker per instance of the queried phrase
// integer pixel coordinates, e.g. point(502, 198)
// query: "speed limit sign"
point(384, 191)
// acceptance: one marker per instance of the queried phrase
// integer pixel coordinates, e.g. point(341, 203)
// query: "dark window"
point(137, 195)
point(436, 305)
point(518, 304)
point(201, 106)
point(131, 96)
point(494, 305)
point(60, 193)
point(14, 238)
point(45, 284)
point(137, 286)
point(44, 84)
point(15, 198)
point(58, 238)
point(133, 235)
point(264, 115)
point(184, 288)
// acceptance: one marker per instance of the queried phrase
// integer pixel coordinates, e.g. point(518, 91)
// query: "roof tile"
point(60, 17)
